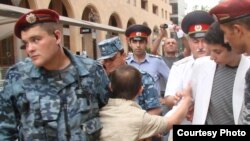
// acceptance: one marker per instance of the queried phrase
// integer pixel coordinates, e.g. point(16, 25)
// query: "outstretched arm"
point(157, 41)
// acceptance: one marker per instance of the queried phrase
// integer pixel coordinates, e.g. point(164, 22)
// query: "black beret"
point(137, 32)
point(196, 23)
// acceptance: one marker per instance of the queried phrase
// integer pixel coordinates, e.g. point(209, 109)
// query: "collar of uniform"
point(77, 62)
point(119, 101)
point(132, 59)
point(36, 72)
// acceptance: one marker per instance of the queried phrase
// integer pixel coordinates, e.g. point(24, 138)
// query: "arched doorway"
point(115, 21)
point(9, 53)
point(89, 40)
point(61, 9)
point(130, 22)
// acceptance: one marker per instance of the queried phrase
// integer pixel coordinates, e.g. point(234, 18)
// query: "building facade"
point(178, 10)
point(117, 13)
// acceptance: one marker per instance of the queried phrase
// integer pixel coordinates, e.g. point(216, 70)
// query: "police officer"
point(195, 24)
point(137, 36)
point(113, 57)
point(53, 95)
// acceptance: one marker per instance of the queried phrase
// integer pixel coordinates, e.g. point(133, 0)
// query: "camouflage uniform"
point(36, 106)
point(244, 117)
point(149, 98)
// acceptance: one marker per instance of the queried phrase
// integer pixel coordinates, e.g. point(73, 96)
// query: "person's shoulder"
point(183, 61)
point(22, 65)
point(88, 65)
point(87, 62)
point(129, 56)
point(146, 77)
point(155, 56)
point(19, 69)
point(203, 60)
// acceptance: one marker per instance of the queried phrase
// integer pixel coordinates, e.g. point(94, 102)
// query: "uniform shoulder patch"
point(155, 56)
point(142, 72)
point(128, 57)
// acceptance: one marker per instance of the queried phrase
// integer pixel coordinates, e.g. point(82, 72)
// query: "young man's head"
point(220, 51)
point(126, 82)
point(234, 19)
point(137, 36)
point(195, 24)
point(112, 54)
point(40, 32)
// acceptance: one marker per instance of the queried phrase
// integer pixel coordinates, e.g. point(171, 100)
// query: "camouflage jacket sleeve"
point(9, 118)
point(101, 85)
point(149, 98)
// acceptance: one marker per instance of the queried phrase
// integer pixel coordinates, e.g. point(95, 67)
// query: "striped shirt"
point(220, 107)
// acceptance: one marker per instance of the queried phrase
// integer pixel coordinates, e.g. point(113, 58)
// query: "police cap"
point(231, 10)
point(110, 47)
point(196, 23)
point(138, 32)
point(34, 17)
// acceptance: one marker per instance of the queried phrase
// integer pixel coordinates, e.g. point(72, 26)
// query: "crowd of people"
point(55, 95)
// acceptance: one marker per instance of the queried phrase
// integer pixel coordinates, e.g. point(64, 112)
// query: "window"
point(155, 9)
point(144, 4)
point(166, 15)
point(174, 8)
point(6, 52)
point(134, 2)
point(174, 20)
point(162, 13)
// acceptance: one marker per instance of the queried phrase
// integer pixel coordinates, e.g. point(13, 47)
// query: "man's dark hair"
point(125, 82)
point(215, 35)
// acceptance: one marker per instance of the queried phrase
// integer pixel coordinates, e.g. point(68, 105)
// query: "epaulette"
point(184, 60)
point(129, 55)
point(142, 72)
point(155, 56)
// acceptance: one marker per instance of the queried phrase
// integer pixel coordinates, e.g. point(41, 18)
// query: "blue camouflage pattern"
point(35, 105)
point(109, 47)
point(244, 117)
point(149, 98)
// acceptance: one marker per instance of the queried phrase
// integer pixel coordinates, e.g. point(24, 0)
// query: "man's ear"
point(238, 29)
point(57, 34)
point(140, 90)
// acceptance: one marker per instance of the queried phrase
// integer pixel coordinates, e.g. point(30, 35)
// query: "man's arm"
point(155, 46)
point(150, 96)
point(102, 85)
point(182, 108)
point(8, 117)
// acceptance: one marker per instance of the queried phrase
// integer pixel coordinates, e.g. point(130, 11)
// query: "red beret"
point(230, 10)
point(34, 17)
